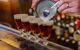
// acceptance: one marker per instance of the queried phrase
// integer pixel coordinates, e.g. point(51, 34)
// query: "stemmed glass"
point(35, 28)
point(46, 28)
point(27, 26)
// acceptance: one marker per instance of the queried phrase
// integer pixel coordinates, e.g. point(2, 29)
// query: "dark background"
point(8, 9)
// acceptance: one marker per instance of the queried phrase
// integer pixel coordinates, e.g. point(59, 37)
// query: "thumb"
point(34, 2)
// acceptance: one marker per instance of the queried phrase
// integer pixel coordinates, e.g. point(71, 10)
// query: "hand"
point(64, 6)
point(68, 6)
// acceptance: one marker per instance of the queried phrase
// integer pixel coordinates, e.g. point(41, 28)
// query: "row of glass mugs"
point(37, 27)
point(34, 25)
point(23, 25)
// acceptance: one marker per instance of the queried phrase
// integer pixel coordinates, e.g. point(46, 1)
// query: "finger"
point(34, 2)
point(64, 6)
point(59, 3)
point(68, 1)
point(70, 10)
point(74, 4)
point(62, 2)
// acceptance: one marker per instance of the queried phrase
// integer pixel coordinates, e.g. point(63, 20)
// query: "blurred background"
point(10, 7)
point(59, 29)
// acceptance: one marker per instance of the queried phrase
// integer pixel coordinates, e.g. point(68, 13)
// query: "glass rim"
point(25, 19)
point(19, 16)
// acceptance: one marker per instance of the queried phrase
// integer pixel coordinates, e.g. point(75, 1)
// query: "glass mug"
point(35, 26)
point(17, 18)
point(26, 23)
point(46, 28)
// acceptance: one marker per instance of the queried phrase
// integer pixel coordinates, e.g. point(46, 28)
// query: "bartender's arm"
point(64, 6)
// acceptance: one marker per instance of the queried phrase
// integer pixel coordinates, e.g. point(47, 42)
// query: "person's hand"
point(64, 6)
point(68, 6)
